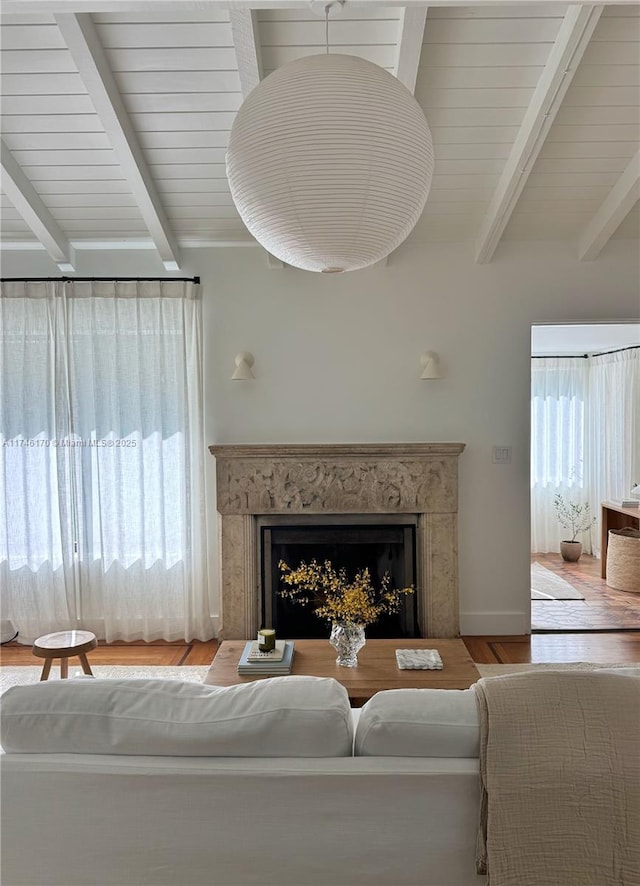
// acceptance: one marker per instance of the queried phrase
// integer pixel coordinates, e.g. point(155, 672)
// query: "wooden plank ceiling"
point(116, 116)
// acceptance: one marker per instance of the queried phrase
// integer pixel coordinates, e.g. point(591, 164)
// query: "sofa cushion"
point(419, 723)
point(290, 716)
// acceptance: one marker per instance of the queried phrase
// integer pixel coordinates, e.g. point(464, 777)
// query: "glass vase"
point(347, 638)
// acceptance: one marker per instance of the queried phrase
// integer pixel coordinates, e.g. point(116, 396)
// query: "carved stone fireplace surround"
point(372, 478)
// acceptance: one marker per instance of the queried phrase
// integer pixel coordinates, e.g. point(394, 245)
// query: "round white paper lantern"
point(330, 162)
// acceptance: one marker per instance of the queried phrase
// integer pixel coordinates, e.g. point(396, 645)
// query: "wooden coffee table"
point(376, 670)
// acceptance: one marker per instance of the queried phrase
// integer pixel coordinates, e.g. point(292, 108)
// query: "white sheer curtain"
point(613, 428)
point(102, 460)
point(585, 438)
point(558, 394)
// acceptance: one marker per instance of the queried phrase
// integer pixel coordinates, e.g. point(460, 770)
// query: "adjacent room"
point(585, 396)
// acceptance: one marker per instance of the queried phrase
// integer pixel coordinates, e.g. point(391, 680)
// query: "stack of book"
point(276, 662)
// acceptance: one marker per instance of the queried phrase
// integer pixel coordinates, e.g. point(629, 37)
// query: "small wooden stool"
point(62, 645)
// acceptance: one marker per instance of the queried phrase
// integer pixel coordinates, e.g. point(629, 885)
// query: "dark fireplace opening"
point(380, 546)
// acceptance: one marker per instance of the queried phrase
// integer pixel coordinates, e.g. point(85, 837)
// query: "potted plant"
point(576, 518)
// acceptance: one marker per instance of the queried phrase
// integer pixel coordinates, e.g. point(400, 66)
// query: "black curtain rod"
point(97, 279)
point(582, 356)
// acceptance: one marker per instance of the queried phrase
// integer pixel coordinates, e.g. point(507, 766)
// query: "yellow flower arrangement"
point(336, 598)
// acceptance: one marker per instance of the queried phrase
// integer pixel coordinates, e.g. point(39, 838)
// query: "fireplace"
point(384, 544)
point(413, 486)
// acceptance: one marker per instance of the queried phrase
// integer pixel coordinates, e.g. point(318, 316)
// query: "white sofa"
point(159, 782)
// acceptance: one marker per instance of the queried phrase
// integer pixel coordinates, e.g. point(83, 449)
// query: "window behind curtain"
point(101, 464)
point(558, 396)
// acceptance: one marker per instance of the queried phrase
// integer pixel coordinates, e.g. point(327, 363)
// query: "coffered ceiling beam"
point(614, 209)
point(246, 42)
point(572, 40)
point(80, 35)
point(29, 204)
point(410, 37)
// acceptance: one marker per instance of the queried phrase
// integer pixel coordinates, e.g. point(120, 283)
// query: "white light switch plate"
point(501, 455)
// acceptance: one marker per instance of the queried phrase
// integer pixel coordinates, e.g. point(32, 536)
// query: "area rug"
point(20, 675)
point(546, 585)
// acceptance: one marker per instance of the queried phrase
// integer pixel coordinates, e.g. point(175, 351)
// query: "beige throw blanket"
point(560, 770)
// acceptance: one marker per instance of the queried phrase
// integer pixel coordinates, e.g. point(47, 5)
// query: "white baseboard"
point(490, 623)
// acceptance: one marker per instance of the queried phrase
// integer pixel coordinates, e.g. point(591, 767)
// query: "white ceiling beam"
point(614, 209)
point(29, 204)
point(572, 40)
point(408, 50)
point(246, 42)
point(410, 37)
point(53, 7)
point(80, 35)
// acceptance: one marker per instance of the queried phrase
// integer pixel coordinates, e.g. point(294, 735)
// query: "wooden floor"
point(138, 653)
point(603, 608)
point(555, 647)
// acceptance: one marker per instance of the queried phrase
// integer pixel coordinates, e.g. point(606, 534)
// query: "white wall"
point(337, 360)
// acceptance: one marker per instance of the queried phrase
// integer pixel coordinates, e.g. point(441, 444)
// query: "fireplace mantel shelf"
point(342, 478)
point(335, 450)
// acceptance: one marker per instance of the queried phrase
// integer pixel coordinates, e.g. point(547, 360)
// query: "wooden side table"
point(62, 645)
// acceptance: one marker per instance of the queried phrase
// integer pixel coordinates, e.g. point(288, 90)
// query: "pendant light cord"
point(339, 4)
point(326, 26)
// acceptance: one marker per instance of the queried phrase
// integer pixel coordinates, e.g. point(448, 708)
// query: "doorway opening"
point(585, 450)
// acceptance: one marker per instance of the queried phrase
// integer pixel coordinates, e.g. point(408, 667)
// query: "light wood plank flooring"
point(555, 647)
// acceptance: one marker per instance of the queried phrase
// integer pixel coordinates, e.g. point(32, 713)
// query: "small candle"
point(266, 639)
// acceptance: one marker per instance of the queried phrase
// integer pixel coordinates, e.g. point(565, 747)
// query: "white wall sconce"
point(244, 362)
point(430, 363)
